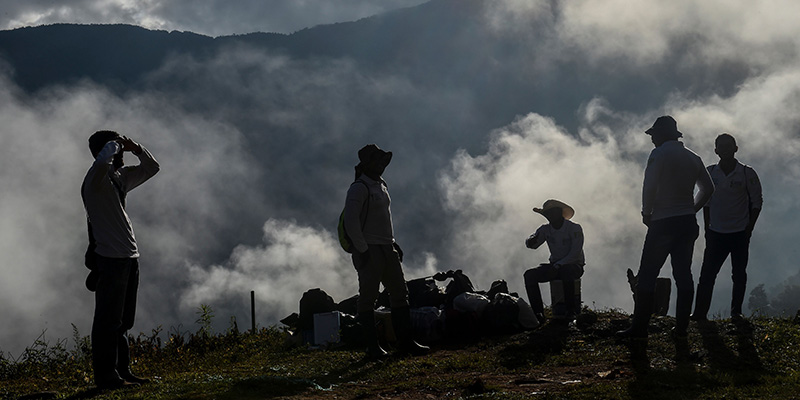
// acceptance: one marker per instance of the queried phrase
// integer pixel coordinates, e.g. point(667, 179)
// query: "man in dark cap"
point(115, 255)
point(376, 255)
point(668, 209)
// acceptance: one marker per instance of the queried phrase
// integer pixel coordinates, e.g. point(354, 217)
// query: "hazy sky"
point(250, 187)
point(208, 17)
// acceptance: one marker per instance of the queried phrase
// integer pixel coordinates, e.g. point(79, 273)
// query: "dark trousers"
point(382, 266)
point(718, 247)
point(673, 237)
point(547, 273)
point(114, 313)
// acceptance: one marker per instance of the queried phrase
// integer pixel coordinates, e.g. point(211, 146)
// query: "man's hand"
point(129, 145)
point(398, 250)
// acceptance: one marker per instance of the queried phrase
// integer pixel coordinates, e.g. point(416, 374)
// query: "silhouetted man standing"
point(116, 255)
point(668, 209)
point(377, 257)
point(729, 218)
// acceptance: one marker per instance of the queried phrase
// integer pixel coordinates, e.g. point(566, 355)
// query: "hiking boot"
point(401, 321)
point(129, 377)
point(116, 384)
point(698, 318)
point(641, 317)
point(374, 349)
point(679, 334)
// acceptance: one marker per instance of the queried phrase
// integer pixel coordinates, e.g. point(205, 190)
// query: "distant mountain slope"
point(442, 43)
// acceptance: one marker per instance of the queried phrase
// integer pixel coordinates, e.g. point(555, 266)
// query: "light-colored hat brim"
point(567, 211)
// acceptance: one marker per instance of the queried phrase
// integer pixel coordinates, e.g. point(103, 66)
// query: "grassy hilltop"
point(756, 359)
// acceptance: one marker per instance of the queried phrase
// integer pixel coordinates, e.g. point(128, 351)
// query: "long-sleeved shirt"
point(735, 195)
point(377, 226)
point(669, 180)
point(565, 243)
point(111, 226)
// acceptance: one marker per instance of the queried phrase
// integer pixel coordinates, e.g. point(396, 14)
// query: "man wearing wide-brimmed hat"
point(565, 240)
point(376, 255)
point(669, 206)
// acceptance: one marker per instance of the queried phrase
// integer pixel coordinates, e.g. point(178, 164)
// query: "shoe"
point(632, 333)
point(679, 334)
point(401, 321)
point(120, 384)
point(698, 318)
point(135, 379)
point(737, 317)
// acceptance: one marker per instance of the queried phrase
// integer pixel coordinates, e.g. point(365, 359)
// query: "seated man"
point(565, 240)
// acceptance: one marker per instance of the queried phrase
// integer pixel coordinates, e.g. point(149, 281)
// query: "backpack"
point(344, 238)
point(314, 301)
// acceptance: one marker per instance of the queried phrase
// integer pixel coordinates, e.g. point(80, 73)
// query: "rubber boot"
point(703, 303)
point(641, 317)
point(737, 299)
point(401, 320)
point(683, 307)
point(374, 350)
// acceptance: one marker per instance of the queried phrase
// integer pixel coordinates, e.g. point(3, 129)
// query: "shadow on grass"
point(541, 344)
point(743, 364)
point(270, 386)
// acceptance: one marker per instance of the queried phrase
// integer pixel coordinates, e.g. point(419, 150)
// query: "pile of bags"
point(453, 311)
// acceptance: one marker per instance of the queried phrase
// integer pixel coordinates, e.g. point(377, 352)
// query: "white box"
point(326, 328)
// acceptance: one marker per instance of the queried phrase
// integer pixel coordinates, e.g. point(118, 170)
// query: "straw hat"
point(567, 211)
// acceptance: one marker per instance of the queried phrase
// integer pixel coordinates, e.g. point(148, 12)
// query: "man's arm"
point(650, 186)
point(356, 197)
point(102, 163)
point(536, 240)
point(134, 176)
point(754, 190)
point(706, 187)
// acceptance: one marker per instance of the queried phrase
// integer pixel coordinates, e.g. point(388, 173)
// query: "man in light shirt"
point(668, 209)
point(729, 219)
point(377, 257)
point(114, 255)
point(564, 239)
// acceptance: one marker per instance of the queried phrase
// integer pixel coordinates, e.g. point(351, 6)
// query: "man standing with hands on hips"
point(113, 253)
point(668, 209)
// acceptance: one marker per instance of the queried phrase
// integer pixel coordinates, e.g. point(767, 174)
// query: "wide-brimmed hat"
point(665, 124)
point(567, 211)
point(372, 152)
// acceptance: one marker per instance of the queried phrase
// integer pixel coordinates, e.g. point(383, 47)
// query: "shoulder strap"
point(365, 206)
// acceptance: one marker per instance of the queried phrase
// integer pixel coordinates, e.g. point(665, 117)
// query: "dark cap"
point(372, 152)
point(665, 124)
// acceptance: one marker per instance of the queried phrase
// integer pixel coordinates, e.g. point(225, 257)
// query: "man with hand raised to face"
point(565, 240)
point(113, 253)
point(377, 257)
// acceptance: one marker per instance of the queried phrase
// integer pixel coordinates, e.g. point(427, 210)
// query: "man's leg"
point(128, 317)
point(112, 285)
point(654, 253)
point(681, 256)
point(394, 281)
point(568, 274)
point(714, 256)
point(369, 281)
point(740, 254)
point(533, 276)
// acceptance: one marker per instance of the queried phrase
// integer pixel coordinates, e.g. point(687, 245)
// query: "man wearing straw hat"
point(565, 240)
point(669, 206)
